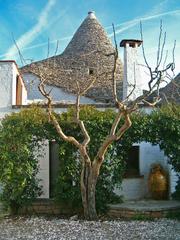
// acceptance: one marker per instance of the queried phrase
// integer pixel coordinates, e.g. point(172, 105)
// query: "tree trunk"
point(89, 177)
point(14, 207)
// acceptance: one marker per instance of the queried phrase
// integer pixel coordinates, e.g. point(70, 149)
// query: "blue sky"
point(33, 22)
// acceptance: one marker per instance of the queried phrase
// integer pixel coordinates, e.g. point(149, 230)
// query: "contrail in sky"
point(30, 35)
point(126, 25)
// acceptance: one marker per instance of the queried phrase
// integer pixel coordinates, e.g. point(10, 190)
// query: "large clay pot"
point(158, 183)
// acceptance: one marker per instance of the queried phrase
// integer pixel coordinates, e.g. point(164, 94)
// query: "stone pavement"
point(152, 208)
point(41, 228)
point(148, 205)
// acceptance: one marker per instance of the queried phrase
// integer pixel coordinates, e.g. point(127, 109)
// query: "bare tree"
point(91, 167)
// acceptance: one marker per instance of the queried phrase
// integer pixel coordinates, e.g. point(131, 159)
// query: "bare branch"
point(57, 46)
point(165, 59)
point(53, 118)
point(114, 67)
point(23, 62)
point(48, 49)
point(77, 101)
point(143, 50)
point(173, 58)
point(88, 87)
point(146, 62)
point(50, 91)
point(127, 124)
point(81, 123)
point(115, 123)
point(85, 133)
point(161, 52)
point(158, 99)
point(159, 44)
point(112, 136)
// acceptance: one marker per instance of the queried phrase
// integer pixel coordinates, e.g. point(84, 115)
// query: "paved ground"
point(51, 229)
point(148, 205)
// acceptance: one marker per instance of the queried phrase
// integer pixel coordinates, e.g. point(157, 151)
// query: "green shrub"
point(21, 134)
point(67, 189)
point(18, 163)
point(176, 194)
point(164, 129)
point(67, 186)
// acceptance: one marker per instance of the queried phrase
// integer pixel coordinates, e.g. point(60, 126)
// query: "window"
point(18, 90)
point(132, 162)
point(54, 165)
point(91, 71)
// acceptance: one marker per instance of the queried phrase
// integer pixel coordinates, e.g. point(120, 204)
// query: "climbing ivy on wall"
point(21, 135)
point(164, 129)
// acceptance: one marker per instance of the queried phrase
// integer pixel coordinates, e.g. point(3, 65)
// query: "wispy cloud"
point(129, 24)
point(30, 35)
point(45, 43)
point(159, 7)
point(38, 45)
point(25, 39)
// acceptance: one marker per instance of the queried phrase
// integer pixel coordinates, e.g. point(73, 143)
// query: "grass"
point(142, 217)
point(173, 215)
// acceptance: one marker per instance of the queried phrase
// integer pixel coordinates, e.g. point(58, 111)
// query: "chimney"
point(132, 74)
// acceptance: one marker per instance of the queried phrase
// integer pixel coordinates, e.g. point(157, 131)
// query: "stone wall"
point(32, 81)
point(48, 206)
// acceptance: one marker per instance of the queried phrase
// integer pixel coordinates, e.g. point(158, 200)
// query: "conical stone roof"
point(88, 57)
point(90, 37)
point(169, 93)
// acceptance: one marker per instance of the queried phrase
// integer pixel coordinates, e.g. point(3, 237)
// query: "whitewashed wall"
point(6, 90)
point(137, 188)
point(8, 74)
point(32, 81)
point(43, 174)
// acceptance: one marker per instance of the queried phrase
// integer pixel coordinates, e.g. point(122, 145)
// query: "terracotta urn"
point(158, 182)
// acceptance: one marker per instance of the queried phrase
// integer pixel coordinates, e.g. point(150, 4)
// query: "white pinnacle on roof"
point(91, 15)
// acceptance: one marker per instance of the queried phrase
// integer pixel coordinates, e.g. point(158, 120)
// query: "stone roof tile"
point(88, 56)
